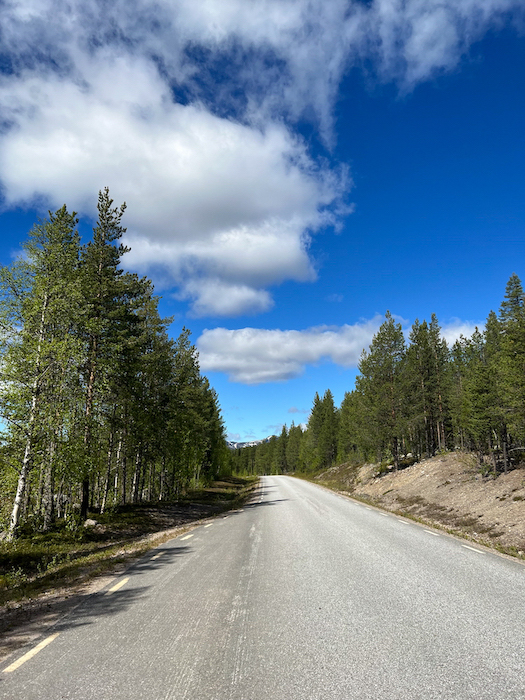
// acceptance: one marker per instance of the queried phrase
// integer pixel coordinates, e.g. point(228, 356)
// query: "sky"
point(292, 169)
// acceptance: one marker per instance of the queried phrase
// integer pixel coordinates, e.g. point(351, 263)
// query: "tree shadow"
point(83, 608)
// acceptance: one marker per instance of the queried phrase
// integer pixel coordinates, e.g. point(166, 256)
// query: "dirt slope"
point(448, 490)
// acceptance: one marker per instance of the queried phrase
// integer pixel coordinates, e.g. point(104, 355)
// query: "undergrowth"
point(69, 553)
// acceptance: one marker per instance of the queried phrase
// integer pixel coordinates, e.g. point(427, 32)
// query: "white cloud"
point(212, 202)
point(216, 298)
point(255, 356)
point(455, 328)
point(187, 110)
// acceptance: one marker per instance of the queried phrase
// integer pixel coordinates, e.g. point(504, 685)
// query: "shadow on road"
point(266, 503)
point(68, 611)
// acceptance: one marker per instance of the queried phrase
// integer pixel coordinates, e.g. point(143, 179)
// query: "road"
point(302, 594)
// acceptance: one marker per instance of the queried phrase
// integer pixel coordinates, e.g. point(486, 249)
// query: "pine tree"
point(327, 440)
point(282, 462)
point(512, 320)
point(380, 385)
point(104, 294)
point(293, 447)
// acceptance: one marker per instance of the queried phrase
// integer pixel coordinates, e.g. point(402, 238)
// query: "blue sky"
point(292, 169)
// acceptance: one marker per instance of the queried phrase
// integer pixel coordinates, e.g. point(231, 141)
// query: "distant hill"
point(252, 443)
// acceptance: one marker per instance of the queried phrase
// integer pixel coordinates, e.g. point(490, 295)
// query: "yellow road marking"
point(118, 585)
point(31, 653)
point(186, 538)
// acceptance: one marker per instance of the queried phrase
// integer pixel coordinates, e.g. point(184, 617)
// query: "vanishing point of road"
point(302, 594)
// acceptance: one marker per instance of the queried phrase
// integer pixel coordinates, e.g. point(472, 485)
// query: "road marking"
point(31, 653)
point(117, 586)
point(368, 508)
point(208, 525)
point(472, 549)
point(436, 534)
point(384, 515)
point(185, 538)
point(157, 556)
point(225, 517)
point(403, 521)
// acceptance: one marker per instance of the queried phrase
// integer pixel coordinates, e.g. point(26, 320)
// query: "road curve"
point(303, 594)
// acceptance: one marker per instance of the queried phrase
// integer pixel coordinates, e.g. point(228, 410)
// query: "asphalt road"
point(302, 594)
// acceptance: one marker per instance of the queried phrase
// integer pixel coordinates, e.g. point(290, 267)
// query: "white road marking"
point(157, 556)
point(185, 538)
point(31, 653)
point(403, 521)
point(384, 515)
point(368, 508)
point(208, 525)
point(117, 586)
point(472, 549)
point(432, 533)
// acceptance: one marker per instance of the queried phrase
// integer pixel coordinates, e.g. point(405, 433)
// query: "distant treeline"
point(100, 407)
point(414, 400)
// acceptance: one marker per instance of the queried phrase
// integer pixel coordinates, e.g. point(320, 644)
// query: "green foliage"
point(101, 406)
point(416, 401)
point(380, 385)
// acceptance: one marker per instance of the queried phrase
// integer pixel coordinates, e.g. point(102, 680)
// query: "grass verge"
point(71, 554)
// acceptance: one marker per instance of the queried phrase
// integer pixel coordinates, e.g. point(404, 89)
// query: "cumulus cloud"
point(187, 111)
point(213, 203)
point(255, 356)
point(456, 328)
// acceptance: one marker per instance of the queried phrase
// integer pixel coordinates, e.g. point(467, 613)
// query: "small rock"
point(90, 523)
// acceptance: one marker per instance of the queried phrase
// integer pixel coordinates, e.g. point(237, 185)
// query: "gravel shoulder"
point(448, 491)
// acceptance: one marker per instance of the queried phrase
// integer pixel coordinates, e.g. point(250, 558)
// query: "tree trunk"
point(87, 432)
point(26, 462)
point(108, 474)
point(49, 487)
point(136, 478)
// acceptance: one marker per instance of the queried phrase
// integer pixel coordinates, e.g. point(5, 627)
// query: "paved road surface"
point(301, 595)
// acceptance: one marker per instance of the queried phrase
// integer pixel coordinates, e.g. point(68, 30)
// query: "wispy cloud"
point(188, 110)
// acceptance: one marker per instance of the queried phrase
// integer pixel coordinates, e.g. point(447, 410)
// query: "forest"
point(99, 407)
point(415, 399)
